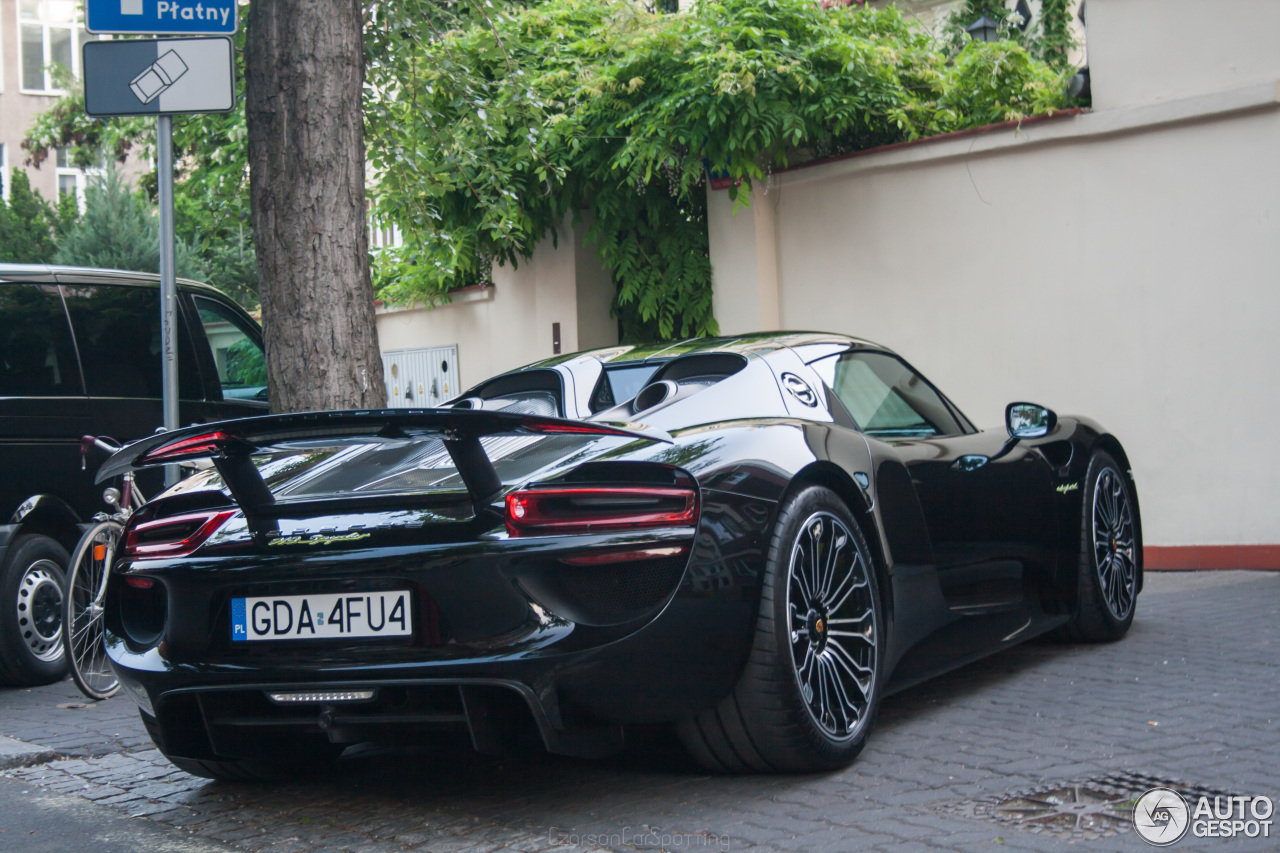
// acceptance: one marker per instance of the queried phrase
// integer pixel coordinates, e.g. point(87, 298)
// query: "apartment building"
point(36, 38)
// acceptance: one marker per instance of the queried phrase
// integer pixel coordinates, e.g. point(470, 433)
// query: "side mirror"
point(1028, 420)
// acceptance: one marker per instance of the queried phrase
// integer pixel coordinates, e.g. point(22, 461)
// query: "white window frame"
point(74, 27)
point(4, 172)
point(81, 176)
point(383, 235)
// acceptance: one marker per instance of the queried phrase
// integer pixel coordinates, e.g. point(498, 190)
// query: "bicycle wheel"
point(82, 628)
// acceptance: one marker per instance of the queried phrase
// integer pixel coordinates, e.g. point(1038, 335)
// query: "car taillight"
point(195, 447)
point(172, 537)
point(582, 509)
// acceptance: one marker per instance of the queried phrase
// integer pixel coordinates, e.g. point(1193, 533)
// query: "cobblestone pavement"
point(1192, 694)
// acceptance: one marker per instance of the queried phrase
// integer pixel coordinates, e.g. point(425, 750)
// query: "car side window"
point(242, 368)
point(117, 329)
point(886, 398)
point(37, 358)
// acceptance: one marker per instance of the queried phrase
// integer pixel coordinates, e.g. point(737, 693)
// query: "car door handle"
point(971, 462)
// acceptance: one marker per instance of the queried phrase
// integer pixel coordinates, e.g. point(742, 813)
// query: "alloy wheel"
point(1113, 543)
point(834, 626)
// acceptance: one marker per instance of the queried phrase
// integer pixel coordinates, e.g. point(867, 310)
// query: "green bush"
point(483, 138)
point(28, 225)
point(118, 230)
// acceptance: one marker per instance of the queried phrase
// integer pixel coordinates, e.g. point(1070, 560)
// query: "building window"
point(72, 180)
point(50, 35)
point(4, 172)
point(383, 235)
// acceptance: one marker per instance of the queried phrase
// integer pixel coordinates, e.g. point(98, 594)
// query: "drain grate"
point(1094, 808)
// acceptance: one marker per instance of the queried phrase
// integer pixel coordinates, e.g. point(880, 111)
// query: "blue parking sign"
point(162, 17)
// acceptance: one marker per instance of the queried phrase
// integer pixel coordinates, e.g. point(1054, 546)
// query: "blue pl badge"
point(239, 627)
point(162, 17)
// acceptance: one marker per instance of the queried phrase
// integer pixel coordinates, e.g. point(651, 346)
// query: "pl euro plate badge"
point(322, 617)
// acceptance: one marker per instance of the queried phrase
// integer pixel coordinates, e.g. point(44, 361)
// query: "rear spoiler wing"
point(231, 444)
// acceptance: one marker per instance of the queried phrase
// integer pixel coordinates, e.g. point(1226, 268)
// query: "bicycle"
point(86, 583)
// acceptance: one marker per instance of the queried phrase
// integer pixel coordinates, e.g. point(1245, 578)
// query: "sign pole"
point(168, 283)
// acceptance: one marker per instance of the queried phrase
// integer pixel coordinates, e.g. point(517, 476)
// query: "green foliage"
point(28, 225)
point(1048, 38)
point(245, 364)
point(1056, 38)
point(956, 34)
point(119, 231)
point(486, 137)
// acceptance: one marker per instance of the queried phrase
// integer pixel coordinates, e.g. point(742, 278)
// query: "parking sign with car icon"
point(158, 76)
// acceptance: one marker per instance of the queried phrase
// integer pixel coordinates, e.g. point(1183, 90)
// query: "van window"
point(117, 328)
point(37, 358)
point(242, 369)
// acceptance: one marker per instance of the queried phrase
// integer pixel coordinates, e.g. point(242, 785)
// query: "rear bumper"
point(496, 639)
point(685, 659)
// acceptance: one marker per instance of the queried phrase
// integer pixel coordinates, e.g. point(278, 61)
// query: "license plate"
point(322, 617)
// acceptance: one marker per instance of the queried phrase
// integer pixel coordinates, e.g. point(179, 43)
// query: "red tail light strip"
point(581, 509)
point(147, 540)
point(195, 447)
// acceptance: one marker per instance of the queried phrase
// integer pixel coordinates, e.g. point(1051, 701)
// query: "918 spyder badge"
point(320, 617)
point(317, 539)
point(1067, 487)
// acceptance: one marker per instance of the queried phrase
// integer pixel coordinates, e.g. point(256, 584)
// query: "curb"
point(16, 753)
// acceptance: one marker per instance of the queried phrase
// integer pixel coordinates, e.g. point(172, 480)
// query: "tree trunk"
point(304, 75)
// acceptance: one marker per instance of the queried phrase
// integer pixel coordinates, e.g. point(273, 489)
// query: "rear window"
point(308, 470)
point(37, 358)
point(626, 382)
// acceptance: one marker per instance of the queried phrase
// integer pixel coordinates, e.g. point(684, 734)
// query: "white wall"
point(1123, 264)
point(1144, 51)
point(510, 324)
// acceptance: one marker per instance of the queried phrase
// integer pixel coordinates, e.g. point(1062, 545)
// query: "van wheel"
point(31, 584)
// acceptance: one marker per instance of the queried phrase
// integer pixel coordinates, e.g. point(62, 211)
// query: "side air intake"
point(653, 394)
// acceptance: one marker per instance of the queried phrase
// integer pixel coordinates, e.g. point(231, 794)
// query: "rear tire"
point(1110, 559)
point(31, 583)
point(808, 696)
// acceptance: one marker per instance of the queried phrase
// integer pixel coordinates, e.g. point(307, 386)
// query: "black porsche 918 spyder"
point(752, 538)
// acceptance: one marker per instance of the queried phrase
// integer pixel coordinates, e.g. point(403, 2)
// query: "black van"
point(80, 355)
